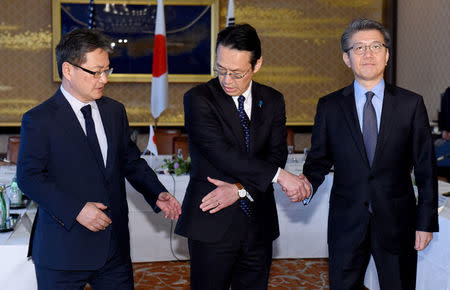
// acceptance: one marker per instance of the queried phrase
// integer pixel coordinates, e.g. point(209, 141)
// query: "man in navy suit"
point(75, 153)
point(374, 134)
point(237, 143)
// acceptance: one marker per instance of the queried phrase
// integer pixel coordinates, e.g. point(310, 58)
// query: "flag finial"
point(230, 15)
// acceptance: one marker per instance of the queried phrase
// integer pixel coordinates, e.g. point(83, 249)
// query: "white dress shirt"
point(99, 129)
point(247, 103)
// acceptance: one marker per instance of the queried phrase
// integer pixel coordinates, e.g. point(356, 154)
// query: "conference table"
point(16, 270)
point(303, 234)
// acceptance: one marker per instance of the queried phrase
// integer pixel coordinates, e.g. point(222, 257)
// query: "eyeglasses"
point(96, 74)
point(360, 48)
point(235, 76)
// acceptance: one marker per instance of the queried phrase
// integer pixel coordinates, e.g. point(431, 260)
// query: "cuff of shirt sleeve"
point(275, 178)
point(307, 200)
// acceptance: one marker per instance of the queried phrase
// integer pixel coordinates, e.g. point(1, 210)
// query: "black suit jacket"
point(217, 149)
point(404, 142)
point(57, 169)
point(444, 115)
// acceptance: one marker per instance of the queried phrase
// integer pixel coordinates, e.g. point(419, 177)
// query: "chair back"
point(164, 140)
point(181, 142)
point(13, 148)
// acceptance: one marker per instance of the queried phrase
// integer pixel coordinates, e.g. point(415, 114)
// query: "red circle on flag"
point(159, 56)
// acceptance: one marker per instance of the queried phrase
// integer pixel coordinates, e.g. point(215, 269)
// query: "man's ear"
point(346, 59)
point(387, 56)
point(67, 70)
point(258, 64)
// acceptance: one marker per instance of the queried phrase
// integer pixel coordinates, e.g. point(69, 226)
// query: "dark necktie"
point(245, 122)
point(91, 135)
point(370, 132)
point(245, 204)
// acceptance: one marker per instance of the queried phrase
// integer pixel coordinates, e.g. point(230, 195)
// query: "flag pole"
point(159, 90)
point(156, 127)
point(230, 14)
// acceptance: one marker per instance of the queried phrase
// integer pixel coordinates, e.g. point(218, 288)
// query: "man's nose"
point(103, 78)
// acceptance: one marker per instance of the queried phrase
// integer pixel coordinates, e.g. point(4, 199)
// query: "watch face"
point(242, 193)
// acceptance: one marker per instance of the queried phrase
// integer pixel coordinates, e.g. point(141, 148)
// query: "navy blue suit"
point(57, 169)
point(376, 202)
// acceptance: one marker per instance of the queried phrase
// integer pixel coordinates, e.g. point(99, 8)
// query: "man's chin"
point(98, 96)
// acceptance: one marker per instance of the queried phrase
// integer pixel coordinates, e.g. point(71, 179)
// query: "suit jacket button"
point(370, 177)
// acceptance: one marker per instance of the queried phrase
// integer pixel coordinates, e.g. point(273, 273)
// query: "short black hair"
point(74, 45)
point(360, 24)
point(241, 37)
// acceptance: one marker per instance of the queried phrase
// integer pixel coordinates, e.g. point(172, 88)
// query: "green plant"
point(177, 165)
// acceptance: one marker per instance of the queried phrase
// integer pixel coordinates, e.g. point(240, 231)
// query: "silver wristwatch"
point(241, 191)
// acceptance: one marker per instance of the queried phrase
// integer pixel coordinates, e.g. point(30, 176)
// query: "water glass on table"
point(15, 195)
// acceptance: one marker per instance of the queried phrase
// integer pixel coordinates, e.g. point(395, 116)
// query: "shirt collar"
point(75, 103)
point(360, 91)
point(248, 93)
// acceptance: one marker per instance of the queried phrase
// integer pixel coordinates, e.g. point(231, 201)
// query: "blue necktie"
point(245, 122)
point(91, 135)
point(245, 204)
point(370, 132)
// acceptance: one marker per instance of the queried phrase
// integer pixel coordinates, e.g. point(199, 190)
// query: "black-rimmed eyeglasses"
point(96, 74)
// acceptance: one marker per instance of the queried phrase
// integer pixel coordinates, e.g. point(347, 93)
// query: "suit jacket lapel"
point(348, 108)
point(387, 117)
point(67, 118)
point(109, 132)
point(228, 110)
point(256, 116)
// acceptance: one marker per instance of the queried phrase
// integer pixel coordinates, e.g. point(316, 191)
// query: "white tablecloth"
point(16, 271)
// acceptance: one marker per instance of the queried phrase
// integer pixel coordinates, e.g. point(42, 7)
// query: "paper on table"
point(7, 173)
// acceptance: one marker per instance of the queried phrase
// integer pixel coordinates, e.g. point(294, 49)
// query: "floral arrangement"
point(177, 165)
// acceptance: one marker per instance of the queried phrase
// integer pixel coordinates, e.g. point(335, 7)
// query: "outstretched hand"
point(169, 205)
point(223, 196)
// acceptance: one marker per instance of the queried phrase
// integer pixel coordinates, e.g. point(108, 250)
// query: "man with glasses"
point(374, 134)
point(237, 143)
point(75, 153)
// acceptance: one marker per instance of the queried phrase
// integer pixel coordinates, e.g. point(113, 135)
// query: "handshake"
point(297, 188)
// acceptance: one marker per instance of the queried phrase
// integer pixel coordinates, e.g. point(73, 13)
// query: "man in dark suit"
point(75, 153)
point(444, 115)
point(374, 134)
point(237, 143)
